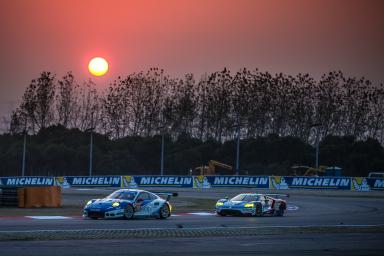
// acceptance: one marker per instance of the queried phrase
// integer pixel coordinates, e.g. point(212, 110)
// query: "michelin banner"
point(230, 181)
point(367, 184)
point(157, 181)
point(88, 181)
point(280, 182)
point(27, 181)
point(272, 182)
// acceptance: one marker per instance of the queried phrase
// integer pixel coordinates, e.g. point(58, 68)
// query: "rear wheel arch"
point(258, 209)
point(129, 211)
point(165, 211)
point(281, 210)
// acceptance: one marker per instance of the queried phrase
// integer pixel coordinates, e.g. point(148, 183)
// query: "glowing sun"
point(98, 66)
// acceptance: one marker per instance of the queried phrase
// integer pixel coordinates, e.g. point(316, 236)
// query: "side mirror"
point(226, 198)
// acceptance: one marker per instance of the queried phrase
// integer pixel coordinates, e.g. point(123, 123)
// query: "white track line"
point(48, 217)
point(292, 208)
point(202, 213)
point(289, 208)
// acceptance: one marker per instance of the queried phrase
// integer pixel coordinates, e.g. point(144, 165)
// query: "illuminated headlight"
point(219, 204)
point(89, 202)
point(115, 204)
point(249, 205)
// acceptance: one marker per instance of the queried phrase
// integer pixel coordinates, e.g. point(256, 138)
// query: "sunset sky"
point(187, 36)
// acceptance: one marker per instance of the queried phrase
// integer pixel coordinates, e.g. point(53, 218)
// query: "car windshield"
point(246, 197)
point(126, 195)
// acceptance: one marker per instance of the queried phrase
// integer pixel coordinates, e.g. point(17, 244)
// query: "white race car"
point(130, 203)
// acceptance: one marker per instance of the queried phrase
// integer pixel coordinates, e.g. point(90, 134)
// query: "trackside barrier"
point(30, 197)
point(157, 181)
point(367, 184)
point(231, 181)
point(284, 182)
point(339, 183)
point(262, 182)
point(36, 197)
point(88, 181)
point(8, 196)
point(27, 181)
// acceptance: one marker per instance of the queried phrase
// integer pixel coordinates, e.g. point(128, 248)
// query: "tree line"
point(57, 151)
point(216, 108)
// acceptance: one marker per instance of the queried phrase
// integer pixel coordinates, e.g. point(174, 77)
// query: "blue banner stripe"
point(271, 182)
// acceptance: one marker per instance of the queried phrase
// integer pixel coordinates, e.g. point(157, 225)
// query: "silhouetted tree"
point(67, 101)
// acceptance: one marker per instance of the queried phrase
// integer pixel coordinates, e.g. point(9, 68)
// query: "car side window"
point(127, 196)
point(152, 197)
point(143, 196)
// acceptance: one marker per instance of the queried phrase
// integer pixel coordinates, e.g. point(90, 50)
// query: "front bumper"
point(98, 214)
point(235, 211)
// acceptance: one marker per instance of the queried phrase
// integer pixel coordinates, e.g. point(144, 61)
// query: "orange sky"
point(187, 36)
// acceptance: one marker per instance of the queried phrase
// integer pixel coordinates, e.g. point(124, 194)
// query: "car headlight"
point(115, 204)
point(249, 205)
point(89, 202)
point(219, 204)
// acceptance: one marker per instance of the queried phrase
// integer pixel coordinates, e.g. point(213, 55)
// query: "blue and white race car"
point(252, 204)
point(128, 204)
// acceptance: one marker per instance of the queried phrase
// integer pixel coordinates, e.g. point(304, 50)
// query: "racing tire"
point(165, 211)
point(258, 210)
point(221, 214)
point(129, 212)
point(281, 210)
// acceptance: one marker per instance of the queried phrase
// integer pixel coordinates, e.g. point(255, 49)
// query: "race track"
point(330, 216)
point(306, 210)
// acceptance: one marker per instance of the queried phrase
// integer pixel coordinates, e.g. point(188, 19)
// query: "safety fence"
point(262, 182)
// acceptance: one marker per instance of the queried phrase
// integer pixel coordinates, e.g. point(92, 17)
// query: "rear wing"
point(166, 195)
point(277, 196)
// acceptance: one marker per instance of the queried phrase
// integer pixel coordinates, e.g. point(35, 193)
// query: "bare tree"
point(141, 103)
point(218, 107)
point(180, 106)
point(328, 102)
point(301, 113)
point(67, 100)
point(88, 114)
point(37, 102)
point(201, 108)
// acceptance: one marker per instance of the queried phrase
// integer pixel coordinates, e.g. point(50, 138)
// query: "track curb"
point(181, 232)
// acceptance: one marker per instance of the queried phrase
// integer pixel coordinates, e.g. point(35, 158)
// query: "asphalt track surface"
point(325, 224)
